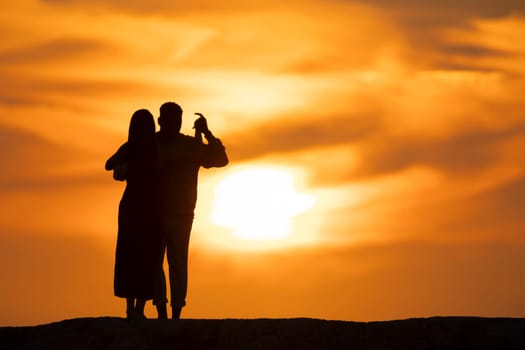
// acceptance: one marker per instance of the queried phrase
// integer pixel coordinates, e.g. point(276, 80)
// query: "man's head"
point(170, 119)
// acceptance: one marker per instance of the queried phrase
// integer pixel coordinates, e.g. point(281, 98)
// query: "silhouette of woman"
point(139, 250)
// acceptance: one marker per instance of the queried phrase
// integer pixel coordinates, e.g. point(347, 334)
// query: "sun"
point(259, 203)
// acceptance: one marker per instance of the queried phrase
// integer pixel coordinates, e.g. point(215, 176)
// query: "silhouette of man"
point(180, 157)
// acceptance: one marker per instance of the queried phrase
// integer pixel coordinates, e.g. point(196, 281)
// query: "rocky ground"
point(116, 333)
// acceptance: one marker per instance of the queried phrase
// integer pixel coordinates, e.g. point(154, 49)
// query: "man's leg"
point(160, 300)
point(177, 242)
point(139, 308)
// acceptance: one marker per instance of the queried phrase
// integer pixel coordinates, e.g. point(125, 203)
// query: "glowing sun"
point(259, 203)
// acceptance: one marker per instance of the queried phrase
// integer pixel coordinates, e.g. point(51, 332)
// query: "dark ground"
point(116, 333)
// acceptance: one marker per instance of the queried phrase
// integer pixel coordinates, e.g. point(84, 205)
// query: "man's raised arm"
point(214, 152)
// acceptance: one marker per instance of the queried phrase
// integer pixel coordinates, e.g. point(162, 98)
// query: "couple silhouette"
point(157, 208)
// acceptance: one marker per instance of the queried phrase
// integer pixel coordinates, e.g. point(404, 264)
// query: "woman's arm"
point(119, 163)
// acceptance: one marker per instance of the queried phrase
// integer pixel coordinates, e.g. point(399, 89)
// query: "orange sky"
point(402, 120)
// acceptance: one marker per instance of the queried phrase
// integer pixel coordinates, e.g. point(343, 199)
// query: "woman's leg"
point(130, 308)
point(139, 308)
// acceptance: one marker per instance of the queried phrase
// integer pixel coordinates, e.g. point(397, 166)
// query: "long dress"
point(139, 251)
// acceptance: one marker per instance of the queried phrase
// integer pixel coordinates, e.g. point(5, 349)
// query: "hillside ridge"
point(294, 333)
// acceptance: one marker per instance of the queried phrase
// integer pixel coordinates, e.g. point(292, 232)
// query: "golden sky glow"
point(395, 128)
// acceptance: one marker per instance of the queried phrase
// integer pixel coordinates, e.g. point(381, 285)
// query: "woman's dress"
point(139, 251)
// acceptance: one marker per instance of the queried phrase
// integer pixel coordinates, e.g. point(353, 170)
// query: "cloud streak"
point(463, 153)
point(54, 50)
point(458, 10)
point(299, 134)
point(163, 7)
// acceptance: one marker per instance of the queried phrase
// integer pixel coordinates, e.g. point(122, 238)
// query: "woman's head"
point(141, 126)
point(142, 129)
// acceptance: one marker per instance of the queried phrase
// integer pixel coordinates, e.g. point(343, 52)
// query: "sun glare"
point(259, 203)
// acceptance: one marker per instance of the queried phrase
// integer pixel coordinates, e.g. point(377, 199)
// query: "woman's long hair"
point(141, 136)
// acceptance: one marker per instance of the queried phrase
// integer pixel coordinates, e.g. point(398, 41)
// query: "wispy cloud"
point(55, 50)
point(464, 153)
point(301, 133)
point(454, 10)
point(162, 7)
point(34, 163)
